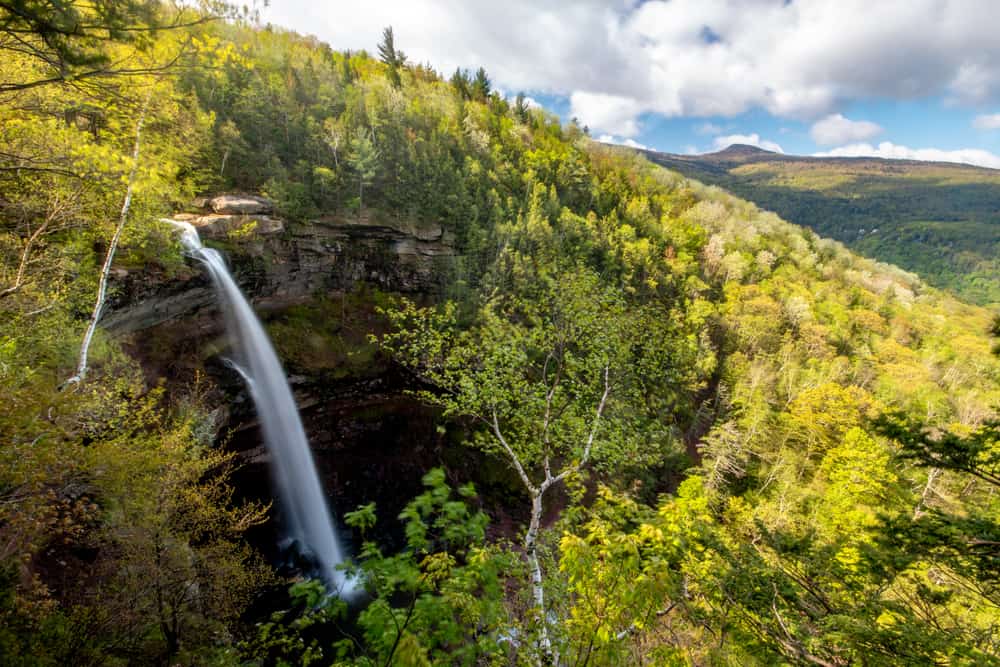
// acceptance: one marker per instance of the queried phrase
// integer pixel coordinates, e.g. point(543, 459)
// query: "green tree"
point(393, 58)
point(462, 83)
point(363, 160)
point(545, 378)
point(69, 41)
point(480, 86)
point(521, 110)
point(439, 600)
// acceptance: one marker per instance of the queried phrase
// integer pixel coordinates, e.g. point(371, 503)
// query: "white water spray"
point(299, 489)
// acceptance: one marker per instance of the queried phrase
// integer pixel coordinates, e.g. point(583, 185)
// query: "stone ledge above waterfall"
point(222, 225)
point(233, 215)
point(280, 264)
point(238, 204)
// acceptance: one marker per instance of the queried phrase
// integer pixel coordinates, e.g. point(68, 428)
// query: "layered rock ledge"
point(279, 264)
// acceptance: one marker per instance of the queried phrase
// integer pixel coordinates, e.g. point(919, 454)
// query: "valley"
point(939, 220)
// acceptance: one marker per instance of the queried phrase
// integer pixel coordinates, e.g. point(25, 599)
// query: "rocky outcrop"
point(425, 231)
point(279, 264)
point(229, 216)
point(240, 205)
point(224, 225)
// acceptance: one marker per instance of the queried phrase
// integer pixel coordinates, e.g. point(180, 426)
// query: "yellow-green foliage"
point(749, 508)
point(935, 219)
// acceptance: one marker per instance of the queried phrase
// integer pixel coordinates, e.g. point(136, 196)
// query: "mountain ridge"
point(749, 150)
point(938, 219)
point(474, 304)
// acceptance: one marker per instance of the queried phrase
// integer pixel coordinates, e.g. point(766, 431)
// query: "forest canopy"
point(730, 441)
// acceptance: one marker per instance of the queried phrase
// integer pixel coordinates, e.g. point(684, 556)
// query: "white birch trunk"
point(102, 288)
point(537, 587)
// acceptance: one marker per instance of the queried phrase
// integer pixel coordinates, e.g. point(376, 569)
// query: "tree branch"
point(635, 628)
point(25, 254)
point(102, 72)
point(513, 457)
point(549, 481)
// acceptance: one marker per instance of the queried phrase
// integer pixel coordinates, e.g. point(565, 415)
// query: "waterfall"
point(301, 495)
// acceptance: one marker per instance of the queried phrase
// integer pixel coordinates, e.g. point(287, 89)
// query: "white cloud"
point(708, 128)
point(989, 121)
point(887, 149)
point(631, 143)
point(754, 139)
point(529, 101)
point(974, 82)
point(798, 59)
point(607, 113)
point(836, 129)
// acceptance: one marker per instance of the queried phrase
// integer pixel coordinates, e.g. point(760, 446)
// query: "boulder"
point(241, 205)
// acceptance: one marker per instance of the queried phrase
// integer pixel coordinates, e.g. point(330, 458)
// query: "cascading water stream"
point(302, 501)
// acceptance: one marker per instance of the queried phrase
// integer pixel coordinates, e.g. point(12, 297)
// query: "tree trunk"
point(919, 510)
point(537, 588)
point(102, 289)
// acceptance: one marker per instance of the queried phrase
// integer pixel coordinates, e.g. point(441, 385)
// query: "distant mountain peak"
point(743, 149)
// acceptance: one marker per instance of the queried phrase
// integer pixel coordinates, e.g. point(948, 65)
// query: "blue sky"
point(925, 122)
point(895, 78)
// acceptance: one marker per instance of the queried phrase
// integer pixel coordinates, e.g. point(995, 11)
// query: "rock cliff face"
point(314, 286)
point(278, 264)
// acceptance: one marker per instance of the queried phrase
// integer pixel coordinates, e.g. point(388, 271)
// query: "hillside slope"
point(939, 220)
point(758, 447)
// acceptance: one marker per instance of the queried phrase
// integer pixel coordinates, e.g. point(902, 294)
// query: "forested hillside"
point(936, 219)
point(715, 437)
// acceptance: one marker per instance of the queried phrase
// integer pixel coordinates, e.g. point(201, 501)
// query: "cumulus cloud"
point(706, 58)
point(989, 121)
point(631, 143)
point(887, 149)
point(608, 113)
point(754, 139)
point(836, 129)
